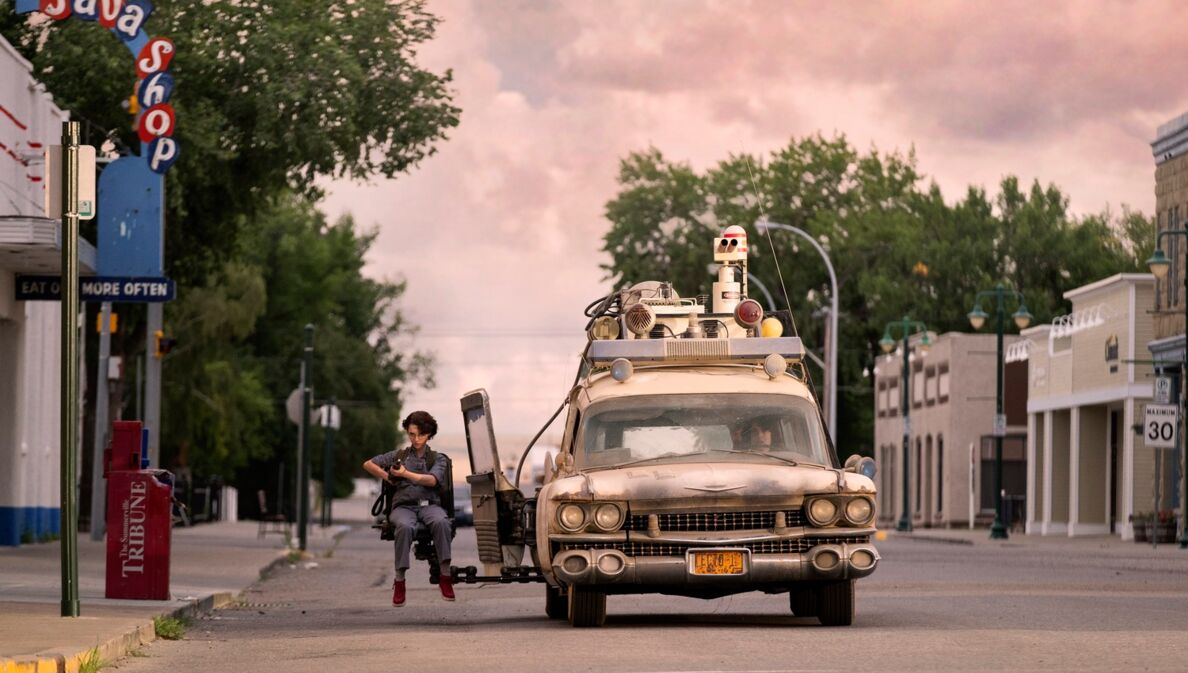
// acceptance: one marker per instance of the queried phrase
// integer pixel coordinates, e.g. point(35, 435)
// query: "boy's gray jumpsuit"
point(413, 502)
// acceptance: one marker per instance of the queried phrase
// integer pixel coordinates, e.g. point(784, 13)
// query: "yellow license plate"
point(717, 562)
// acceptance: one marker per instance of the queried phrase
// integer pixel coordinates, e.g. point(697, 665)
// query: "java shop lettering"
point(132, 288)
point(134, 517)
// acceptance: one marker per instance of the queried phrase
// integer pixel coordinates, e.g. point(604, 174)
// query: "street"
point(1016, 605)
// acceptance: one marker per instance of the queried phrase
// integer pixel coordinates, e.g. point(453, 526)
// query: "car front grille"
point(699, 522)
point(788, 546)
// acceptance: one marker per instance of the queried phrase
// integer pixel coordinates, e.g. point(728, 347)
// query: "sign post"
point(69, 434)
point(303, 462)
point(330, 419)
point(1159, 431)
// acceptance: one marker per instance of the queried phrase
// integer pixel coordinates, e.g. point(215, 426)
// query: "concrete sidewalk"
point(981, 536)
point(211, 564)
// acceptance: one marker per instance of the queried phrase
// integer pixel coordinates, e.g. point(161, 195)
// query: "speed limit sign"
point(1159, 427)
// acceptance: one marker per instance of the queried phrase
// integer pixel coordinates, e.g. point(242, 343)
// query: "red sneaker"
point(447, 588)
point(398, 593)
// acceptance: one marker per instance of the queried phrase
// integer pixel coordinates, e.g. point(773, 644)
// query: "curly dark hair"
point(424, 422)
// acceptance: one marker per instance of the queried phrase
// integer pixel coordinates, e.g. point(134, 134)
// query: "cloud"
point(499, 234)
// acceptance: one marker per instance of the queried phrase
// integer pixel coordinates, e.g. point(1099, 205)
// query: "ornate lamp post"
point(977, 318)
point(1159, 264)
point(907, 327)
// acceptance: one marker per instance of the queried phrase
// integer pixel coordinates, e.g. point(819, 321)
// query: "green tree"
point(898, 247)
point(242, 339)
point(270, 95)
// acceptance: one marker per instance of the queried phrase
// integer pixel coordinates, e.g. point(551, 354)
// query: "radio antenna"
point(767, 230)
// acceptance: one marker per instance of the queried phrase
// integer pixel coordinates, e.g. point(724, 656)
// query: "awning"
point(34, 245)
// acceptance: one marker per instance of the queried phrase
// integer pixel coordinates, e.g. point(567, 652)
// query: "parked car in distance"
point(463, 510)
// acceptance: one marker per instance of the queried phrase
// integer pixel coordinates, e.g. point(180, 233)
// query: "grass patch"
point(170, 628)
point(91, 662)
point(295, 555)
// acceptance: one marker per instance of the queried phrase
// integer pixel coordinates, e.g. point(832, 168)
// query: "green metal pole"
point(69, 410)
point(1183, 424)
point(905, 520)
point(303, 483)
point(998, 529)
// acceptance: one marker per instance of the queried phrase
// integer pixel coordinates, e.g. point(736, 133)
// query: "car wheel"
point(835, 603)
point(587, 607)
point(803, 602)
point(556, 603)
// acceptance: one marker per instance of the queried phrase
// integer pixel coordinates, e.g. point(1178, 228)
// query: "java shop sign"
point(126, 18)
point(97, 289)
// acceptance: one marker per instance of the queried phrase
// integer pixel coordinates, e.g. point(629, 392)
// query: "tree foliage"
point(271, 94)
point(241, 340)
point(898, 247)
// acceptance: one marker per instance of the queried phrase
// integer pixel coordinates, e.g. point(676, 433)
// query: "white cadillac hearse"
point(694, 462)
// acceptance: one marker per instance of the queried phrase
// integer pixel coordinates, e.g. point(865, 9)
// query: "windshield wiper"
point(759, 453)
point(644, 460)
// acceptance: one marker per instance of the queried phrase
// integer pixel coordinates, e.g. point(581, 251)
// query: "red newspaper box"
point(139, 533)
point(139, 520)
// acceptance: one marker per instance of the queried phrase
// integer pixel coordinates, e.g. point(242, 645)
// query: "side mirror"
point(564, 462)
point(863, 465)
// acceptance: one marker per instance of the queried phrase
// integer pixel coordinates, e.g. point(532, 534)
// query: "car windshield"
point(697, 427)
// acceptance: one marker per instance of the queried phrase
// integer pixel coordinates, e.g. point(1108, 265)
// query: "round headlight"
point(571, 517)
point(822, 512)
point(608, 517)
point(858, 510)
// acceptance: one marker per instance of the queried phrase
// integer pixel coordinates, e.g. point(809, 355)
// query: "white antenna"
point(774, 255)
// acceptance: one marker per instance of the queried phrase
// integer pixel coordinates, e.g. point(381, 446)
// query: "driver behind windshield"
point(757, 434)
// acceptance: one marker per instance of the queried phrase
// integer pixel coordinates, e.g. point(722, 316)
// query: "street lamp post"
point(977, 318)
point(1159, 264)
point(761, 226)
point(908, 327)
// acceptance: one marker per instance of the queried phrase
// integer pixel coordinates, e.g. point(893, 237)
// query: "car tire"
point(803, 602)
point(835, 603)
point(587, 607)
point(556, 603)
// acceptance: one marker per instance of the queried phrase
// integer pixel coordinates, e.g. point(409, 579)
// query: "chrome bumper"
point(611, 566)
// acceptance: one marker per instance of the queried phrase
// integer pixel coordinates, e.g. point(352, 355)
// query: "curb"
point(121, 645)
point(933, 539)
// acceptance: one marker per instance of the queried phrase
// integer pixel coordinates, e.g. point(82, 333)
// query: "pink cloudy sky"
point(498, 235)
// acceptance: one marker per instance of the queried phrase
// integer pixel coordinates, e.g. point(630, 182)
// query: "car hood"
point(707, 483)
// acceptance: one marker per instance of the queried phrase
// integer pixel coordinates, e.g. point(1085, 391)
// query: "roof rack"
point(753, 349)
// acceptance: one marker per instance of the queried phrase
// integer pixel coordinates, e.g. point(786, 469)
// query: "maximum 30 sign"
point(1159, 426)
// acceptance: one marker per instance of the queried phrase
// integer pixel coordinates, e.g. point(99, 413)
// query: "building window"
point(940, 473)
point(930, 386)
point(1159, 227)
point(919, 456)
point(918, 388)
point(942, 385)
point(1173, 252)
point(893, 400)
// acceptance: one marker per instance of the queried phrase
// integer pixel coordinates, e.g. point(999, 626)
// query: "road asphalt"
point(212, 564)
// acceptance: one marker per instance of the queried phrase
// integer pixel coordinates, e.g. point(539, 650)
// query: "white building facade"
point(30, 332)
point(1090, 378)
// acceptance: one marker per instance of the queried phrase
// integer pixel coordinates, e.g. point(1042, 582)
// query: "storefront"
point(30, 332)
